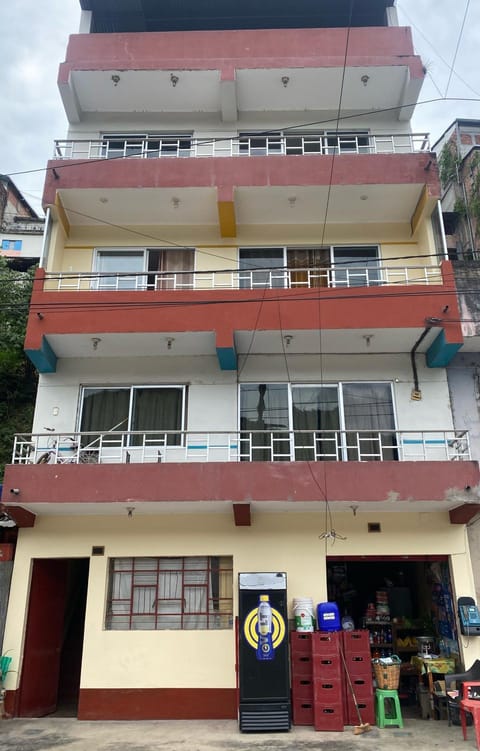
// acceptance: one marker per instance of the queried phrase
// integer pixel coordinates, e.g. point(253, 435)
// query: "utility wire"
point(458, 46)
point(437, 53)
point(75, 163)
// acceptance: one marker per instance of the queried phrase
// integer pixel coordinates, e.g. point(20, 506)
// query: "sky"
point(35, 35)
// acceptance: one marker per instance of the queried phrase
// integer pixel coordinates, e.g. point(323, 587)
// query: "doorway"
point(52, 659)
point(397, 599)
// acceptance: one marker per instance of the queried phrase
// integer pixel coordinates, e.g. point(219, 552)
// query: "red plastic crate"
point(328, 667)
point(326, 642)
point(302, 713)
point(366, 708)
point(328, 691)
point(302, 688)
point(359, 664)
point(362, 687)
point(302, 666)
point(328, 717)
point(300, 643)
point(356, 641)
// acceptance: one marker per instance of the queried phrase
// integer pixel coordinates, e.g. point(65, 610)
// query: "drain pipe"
point(431, 322)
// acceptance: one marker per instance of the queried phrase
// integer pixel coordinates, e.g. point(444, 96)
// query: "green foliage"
point(448, 162)
point(474, 197)
point(18, 379)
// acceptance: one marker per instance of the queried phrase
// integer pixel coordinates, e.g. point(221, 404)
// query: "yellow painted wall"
point(397, 246)
point(285, 542)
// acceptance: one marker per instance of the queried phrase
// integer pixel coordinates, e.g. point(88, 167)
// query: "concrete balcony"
point(386, 316)
point(230, 191)
point(217, 472)
point(122, 447)
point(227, 73)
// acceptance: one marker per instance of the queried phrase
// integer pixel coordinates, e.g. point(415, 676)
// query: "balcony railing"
point(156, 147)
point(237, 446)
point(275, 278)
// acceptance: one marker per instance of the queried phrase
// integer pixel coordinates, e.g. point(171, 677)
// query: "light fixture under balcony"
point(292, 200)
point(174, 79)
point(115, 79)
point(175, 202)
point(95, 342)
point(365, 79)
point(285, 81)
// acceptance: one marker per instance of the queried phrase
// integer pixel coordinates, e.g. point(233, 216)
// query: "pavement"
point(69, 734)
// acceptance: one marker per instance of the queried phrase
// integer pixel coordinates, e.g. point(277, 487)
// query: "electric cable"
point(457, 46)
point(366, 113)
point(437, 53)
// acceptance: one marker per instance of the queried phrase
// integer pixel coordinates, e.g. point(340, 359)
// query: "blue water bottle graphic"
point(265, 649)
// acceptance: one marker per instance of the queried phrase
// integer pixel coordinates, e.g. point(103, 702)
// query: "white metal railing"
point(156, 147)
point(287, 278)
point(234, 446)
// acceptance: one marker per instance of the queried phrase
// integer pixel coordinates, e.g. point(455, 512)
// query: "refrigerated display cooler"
point(264, 680)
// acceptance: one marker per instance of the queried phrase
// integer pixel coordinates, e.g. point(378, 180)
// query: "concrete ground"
point(68, 734)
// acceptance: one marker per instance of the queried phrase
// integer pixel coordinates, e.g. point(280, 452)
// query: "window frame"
point(213, 618)
point(131, 388)
point(338, 385)
point(144, 275)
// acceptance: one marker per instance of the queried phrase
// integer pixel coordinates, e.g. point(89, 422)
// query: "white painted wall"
point(213, 394)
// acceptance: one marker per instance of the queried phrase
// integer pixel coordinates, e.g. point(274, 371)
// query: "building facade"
point(242, 326)
point(458, 152)
point(21, 229)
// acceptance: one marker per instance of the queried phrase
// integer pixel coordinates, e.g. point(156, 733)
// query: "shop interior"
point(406, 604)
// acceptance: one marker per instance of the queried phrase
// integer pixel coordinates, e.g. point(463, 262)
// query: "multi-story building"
point(21, 229)
point(458, 152)
point(242, 327)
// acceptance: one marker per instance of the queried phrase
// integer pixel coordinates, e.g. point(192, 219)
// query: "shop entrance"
point(397, 599)
point(50, 680)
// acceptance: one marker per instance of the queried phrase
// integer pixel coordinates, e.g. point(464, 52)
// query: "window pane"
point(368, 407)
point(355, 266)
point(170, 593)
point(251, 261)
point(157, 409)
point(168, 268)
point(264, 407)
point(104, 411)
point(125, 267)
point(315, 408)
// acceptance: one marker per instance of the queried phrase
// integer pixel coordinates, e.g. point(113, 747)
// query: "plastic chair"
point(470, 704)
point(473, 674)
point(386, 718)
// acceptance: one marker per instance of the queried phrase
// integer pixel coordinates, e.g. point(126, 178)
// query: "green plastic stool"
point(387, 718)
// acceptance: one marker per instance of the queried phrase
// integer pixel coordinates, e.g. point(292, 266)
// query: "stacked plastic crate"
point(301, 662)
point(328, 691)
point(358, 667)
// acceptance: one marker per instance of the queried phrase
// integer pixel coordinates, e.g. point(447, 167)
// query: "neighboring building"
point(458, 151)
point(242, 327)
point(21, 229)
